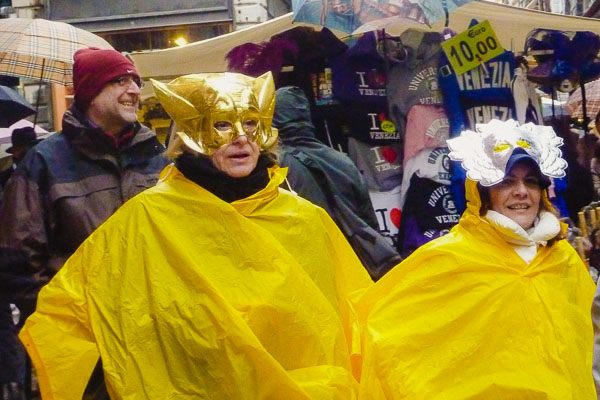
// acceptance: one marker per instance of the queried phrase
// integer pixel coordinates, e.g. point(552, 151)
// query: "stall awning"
point(511, 24)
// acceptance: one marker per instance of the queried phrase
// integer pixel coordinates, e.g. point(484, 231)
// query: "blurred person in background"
point(329, 179)
point(22, 140)
point(595, 169)
point(297, 137)
point(579, 191)
point(12, 354)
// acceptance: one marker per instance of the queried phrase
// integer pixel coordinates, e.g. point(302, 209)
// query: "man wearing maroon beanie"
point(107, 88)
point(70, 183)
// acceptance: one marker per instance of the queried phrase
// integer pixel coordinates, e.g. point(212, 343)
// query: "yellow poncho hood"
point(464, 317)
point(186, 296)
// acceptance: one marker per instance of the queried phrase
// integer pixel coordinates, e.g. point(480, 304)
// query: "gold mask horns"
point(211, 110)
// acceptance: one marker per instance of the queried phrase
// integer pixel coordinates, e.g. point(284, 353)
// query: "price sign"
point(470, 48)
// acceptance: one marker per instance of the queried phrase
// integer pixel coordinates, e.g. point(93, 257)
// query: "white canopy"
point(511, 25)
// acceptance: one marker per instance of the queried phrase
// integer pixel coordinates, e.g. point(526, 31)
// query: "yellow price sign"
point(470, 48)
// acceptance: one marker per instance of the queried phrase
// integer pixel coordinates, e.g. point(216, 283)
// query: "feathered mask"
point(485, 153)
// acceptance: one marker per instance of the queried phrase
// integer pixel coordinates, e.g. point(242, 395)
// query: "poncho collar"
point(244, 206)
point(200, 169)
point(546, 226)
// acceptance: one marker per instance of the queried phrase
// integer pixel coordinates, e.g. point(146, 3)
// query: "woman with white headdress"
point(499, 308)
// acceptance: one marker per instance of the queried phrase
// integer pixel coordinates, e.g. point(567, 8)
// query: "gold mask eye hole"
point(500, 147)
point(223, 126)
point(523, 144)
point(250, 125)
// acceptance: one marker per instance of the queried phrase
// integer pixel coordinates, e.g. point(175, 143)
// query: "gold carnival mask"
point(213, 109)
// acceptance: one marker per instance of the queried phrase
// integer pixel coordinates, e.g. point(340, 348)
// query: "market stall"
point(390, 99)
point(512, 25)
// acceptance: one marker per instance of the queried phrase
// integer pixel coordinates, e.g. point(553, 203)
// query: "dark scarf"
point(200, 169)
point(114, 142)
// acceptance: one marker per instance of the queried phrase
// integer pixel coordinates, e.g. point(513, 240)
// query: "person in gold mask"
point(214, 284)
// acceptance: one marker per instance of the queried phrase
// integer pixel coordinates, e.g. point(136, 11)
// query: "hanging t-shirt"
point(380, 165)
point(359, 73)
point(367, 122)
point(426, 127)
point(388, 211)
point(478, 95)
point(429, 212)
point(415, 81)
point(432, 164)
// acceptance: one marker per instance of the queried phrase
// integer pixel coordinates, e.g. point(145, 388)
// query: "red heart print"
point(389, 154)
point(395, 215)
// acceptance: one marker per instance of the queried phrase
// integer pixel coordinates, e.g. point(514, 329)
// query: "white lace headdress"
point(484, 153)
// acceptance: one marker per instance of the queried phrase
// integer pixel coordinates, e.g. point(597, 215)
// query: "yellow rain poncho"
point(464, 317)
point(184, 296)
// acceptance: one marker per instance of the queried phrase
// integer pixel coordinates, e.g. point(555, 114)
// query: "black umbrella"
point(13, 107)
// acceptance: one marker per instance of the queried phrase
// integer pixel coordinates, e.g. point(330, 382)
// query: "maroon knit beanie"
point(93, 68)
